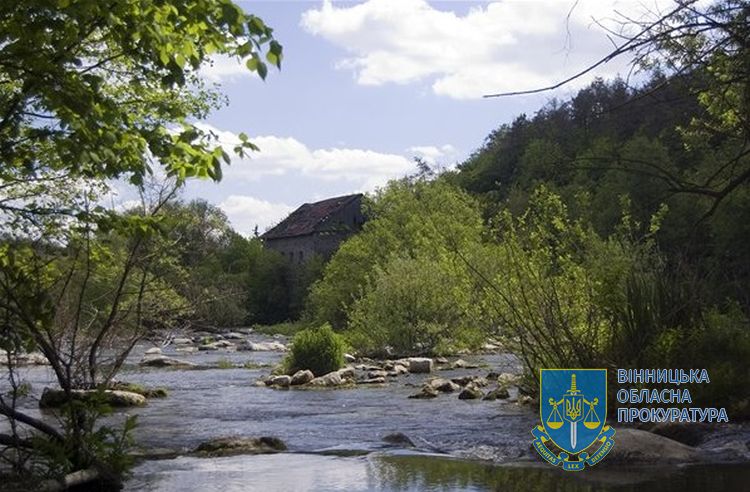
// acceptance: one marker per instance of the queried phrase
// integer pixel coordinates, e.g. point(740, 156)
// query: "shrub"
point(319, 350)
point(416, 306)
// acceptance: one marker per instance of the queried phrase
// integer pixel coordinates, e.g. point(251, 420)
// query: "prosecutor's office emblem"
point(573, 406)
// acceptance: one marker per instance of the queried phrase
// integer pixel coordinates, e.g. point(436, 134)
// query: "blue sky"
point(367, 86)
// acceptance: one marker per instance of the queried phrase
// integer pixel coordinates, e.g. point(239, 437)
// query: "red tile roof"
point(309, 218)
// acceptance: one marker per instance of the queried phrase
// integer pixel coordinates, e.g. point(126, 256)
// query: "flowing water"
point(335, 436)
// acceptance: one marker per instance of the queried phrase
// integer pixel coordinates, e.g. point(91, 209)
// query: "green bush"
point(416, 306)
point(319, 350)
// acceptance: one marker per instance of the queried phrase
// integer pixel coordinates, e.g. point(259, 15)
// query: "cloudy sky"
point(367, 86)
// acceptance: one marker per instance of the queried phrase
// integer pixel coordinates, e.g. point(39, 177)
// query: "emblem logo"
point(573, 406)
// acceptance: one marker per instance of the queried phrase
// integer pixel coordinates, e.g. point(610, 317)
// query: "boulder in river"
point(302, 377)
point(164, 361)
point(282, 380)
point(234, 336)
point(328, 380)
point(399, 439)
point(262, 347)
point(232, 446)
point(52, 398)
point(470, 392)
point(444, 385)
point(637, 446)
point(420, 365)
point(426, 392)
point(499, 393)
point(182, 341)
point(346, 373)
point(153, 351)
point(377, 374)
point(349, 358)
point(376, 380)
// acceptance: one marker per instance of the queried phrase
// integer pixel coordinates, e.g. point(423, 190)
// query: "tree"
point(92, 92)
point(708, 44)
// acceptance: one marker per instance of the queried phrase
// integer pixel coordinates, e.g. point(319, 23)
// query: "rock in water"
point(231, 446)
point(444, 385)
point(153, 351)
point(399, 439)
point(497, 394)
point(637, 446)
point(328, 380)
point(419, 365)
point(346, 373)
point(164, 361)
point(302, 377)
point(471, 392)
point(282, 380)
point(349, 358)
point(426, 392)
point(52, 398)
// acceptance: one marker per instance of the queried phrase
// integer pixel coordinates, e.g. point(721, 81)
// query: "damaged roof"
point(309, 218)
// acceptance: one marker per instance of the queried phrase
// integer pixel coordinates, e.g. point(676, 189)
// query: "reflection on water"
point(414, 472)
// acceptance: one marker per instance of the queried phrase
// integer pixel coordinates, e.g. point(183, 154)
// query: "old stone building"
point(316, 228)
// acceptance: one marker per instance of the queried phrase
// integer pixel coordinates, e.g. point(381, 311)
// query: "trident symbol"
point(573, 401)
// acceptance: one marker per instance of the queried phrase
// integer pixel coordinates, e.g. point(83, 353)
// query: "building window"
point(301, 256)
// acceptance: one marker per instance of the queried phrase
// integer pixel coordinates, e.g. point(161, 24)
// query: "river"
point(335, 437)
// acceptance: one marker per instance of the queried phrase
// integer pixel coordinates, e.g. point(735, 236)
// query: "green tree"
point(91, 92)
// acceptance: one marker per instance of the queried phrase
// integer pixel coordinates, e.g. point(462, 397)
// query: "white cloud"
point(362, 169)
point(245, 212)
point(224, 68)
point(432, 155)
point(503, 46)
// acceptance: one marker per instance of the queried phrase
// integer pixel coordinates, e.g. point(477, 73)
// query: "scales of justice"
point(573, 401)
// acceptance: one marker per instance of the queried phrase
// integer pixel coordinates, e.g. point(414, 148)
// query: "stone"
point(234, 336)
point(349, 358)
point(470, 392)
point(506, 379)
point(182, 341)
point(441, 360)
point(426, 392)
point(52, 398)
point(262, 347)
point(475, 380)
point(232, 446)
point(420, 365)
point(399, 439)
point(329, 380)
point(377, 380)
point(207, 347)
point(302, 377)
point(186, 350)
point(398, 369)
point(153, 351)
point(346, 373)
point(444, 385)
point(282, 380)
point(31, 359)
point(462, 364)
point(525, 400)
point(691, 433)
point(497, 394)
point(164, 361)
point(638, 446)
point(377, 374)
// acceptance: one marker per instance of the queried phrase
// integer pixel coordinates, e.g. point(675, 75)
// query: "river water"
point(335, 436)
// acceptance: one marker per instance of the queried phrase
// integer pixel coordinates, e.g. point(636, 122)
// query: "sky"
point(365, 87)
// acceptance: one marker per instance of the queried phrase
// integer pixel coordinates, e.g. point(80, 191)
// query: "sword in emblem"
point(573, 400)
point(573, 434)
